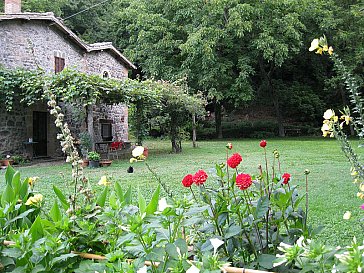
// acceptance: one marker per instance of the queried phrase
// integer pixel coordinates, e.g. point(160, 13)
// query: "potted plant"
point(94, 159)
point(7, 161)
point(85, 146)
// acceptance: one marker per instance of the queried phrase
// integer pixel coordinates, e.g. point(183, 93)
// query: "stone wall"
point(35, 43)
point(30, 44)
point(99, 62)
point(117, 114)
point(12, 132)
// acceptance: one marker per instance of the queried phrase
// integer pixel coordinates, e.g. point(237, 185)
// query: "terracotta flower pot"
point(85, 163)
point(7, 162)
point(105, 163)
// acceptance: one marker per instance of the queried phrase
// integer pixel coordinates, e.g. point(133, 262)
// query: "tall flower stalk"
point(67, 144)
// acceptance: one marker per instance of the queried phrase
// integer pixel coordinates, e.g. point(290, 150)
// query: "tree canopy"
point(235, 52)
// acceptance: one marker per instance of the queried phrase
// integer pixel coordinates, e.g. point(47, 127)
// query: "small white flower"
point(138, 151)
point(329, 113)
point(314, 45)
point(216, 243)
point(8, 156)
point(193, 269)
point(162, 204)
point(142, 270)
point(347, 215)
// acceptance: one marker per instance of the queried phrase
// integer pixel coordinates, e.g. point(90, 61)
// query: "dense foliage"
point(236, 52)
point(169, 100)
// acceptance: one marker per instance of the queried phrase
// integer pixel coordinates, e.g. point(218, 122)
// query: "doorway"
point(40, 125)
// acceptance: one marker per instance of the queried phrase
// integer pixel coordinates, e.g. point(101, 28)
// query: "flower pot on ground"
point(7, 162)
point(94, 159)
point(105, 163)
point(85, 162)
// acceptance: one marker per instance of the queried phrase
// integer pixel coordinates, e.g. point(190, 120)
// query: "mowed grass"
point(331, 191)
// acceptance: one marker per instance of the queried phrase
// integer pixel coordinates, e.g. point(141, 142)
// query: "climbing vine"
point(161, 98)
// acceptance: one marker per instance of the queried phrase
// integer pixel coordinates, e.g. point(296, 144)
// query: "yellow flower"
point(103, 181)
point(314, 45)
point(361, 187)
point(360, 195)
point(34, 200)
point(325, 48)
point(319, 51)
point(347, 215)
point(32, 180)
point(138, 151)
point(325, 129)
point(331, 50)
point(346, 119)
point(329, 113)
point(132, 160)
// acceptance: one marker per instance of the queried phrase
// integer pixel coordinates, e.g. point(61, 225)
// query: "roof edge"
point(49, 16)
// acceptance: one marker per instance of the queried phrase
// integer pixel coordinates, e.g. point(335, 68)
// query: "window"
point(106, 131)
point(58, 64)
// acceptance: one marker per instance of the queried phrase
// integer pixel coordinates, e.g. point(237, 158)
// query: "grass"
point(331, 191)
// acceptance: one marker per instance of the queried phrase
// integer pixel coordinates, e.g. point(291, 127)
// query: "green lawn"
point(331, 191)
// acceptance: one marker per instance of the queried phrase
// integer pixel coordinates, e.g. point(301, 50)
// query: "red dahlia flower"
point(286, 178)
point(199, 177)
point(263, 143)
point(234, 160)
point(187, 181)
point(243, 181)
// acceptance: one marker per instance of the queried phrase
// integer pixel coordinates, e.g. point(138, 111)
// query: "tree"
point(191, 39)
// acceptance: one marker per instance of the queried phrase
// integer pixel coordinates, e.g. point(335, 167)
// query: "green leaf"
point(61, 197)
point(36, 230)
point(63, 258)
point(266, 260)
point(20, 216)
point(119, 191)
point(55, 212)
point(16, 183)
point(23, 191)
point(172, 251)
point(102, 198)
point(153, 204)
point(8, 195)
point(127, 196)
point(232, 231)
point(141, 202)
point(262, 207)
point(182, 245)
point(9, 174)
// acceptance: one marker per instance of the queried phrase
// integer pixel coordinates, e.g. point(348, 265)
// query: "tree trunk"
point(194, 144)
point(218, 120)
point(268, 78)
point(278, 111)
point(176, 143)
point(90, 125)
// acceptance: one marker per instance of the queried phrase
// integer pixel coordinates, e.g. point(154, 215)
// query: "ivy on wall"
point(145, 98)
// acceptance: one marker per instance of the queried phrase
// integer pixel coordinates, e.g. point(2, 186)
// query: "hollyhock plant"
point(243, 181)
point(187, 181)
point(200, 177)
point(286, 178)
point(234, 160)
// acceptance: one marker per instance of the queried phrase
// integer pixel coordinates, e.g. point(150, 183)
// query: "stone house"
point(31, 40)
